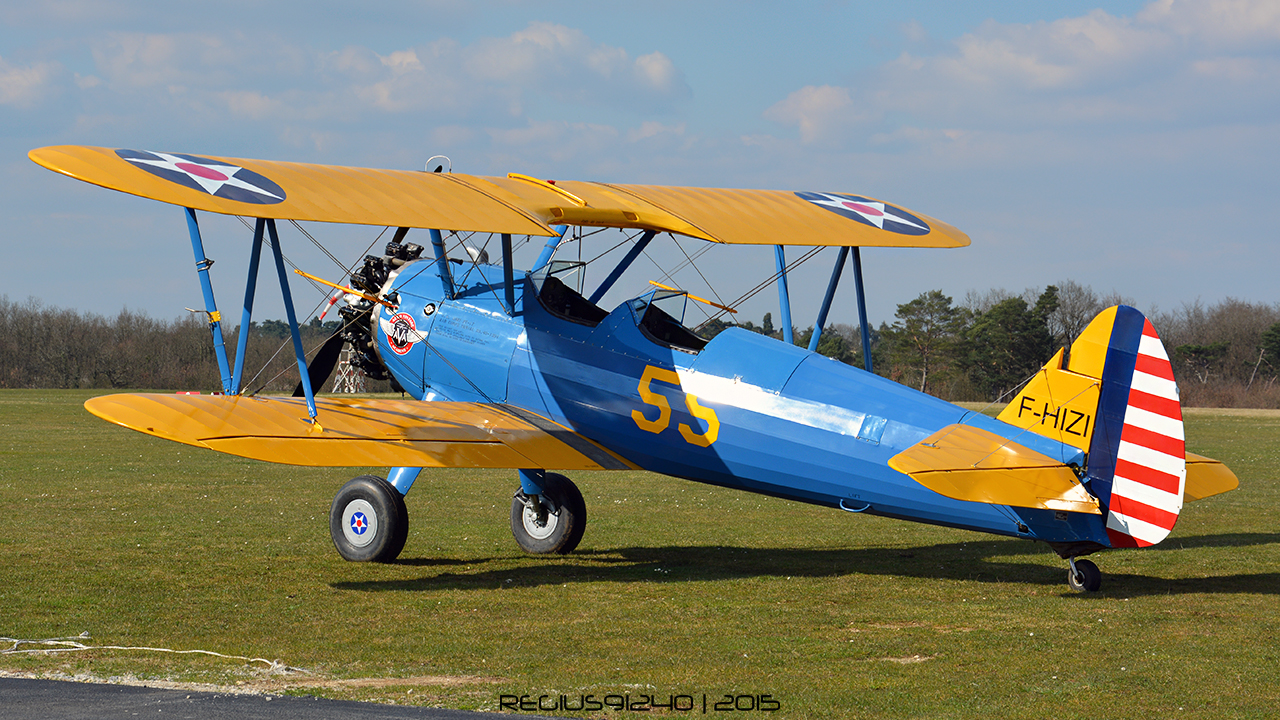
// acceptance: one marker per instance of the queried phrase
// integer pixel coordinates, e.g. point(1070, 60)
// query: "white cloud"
point(1065, 53)
point(139, 60)
point(492, 80)
point(403, 61)
point(822, 113)
point(1220, 22)
point(1171, 64)
point(563, 63)
point(1237, 70)
point(540, 144)
point(656, 71)
point(253, 105)
point(23, 86)
point(651, 129)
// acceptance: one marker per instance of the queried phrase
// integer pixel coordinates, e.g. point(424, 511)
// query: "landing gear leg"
point(551, 521)
point(368, 520)
point(1084, 576)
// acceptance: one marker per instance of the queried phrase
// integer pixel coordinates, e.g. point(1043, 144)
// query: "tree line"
point(44, 347)
point(986, 346)
point(982, 348)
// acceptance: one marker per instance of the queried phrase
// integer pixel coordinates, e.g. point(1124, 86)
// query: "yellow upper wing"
point(514, 204)
point(321, 193)
point(359, 432)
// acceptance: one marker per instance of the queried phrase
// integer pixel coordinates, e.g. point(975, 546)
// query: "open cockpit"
point(658, 314)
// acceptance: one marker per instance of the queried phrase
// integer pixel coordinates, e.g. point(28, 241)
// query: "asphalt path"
point(62, 700)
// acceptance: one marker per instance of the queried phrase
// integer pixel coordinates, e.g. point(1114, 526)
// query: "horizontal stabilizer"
point(359, 432)
point(968, 463)
point(1207, 477)
point(1114, 395)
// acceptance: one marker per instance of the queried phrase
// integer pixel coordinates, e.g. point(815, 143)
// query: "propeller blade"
point(323, 363)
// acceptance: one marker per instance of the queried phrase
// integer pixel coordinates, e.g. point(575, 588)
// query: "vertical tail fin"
point(1114, 396)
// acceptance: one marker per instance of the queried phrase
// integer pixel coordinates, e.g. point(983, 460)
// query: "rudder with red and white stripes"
point(1137, 456)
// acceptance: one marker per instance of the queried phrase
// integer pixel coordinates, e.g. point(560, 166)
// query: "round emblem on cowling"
point(401, 333)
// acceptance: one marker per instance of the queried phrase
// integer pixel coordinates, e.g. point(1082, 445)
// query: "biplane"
point(524, 370)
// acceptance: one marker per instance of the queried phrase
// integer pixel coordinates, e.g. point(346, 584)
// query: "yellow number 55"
point(649, 397)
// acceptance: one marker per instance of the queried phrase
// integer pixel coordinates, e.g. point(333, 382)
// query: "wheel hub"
point(359, 523)
point(540, 523)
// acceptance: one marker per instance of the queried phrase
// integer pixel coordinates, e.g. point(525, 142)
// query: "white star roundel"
point(216, 178)
point(869, 212)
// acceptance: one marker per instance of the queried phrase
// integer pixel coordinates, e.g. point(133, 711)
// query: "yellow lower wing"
point(967, 463)
point(360, 432)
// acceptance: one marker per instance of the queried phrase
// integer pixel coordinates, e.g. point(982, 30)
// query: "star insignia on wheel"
point(359, 523)
point(869, 212)
point(214, 177)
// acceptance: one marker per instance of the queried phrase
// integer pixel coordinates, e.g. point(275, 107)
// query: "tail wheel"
point(552, 522)
point(368, 520)
point(1084, 576)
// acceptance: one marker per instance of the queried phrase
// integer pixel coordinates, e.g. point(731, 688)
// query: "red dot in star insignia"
point(864, 209)
point(202, 171)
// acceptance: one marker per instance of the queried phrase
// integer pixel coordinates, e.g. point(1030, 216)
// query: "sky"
point(1131, 147)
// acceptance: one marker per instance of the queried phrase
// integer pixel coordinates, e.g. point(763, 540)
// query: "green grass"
point(677, 588)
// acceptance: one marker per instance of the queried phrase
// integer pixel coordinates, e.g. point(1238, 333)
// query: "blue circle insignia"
point(206, 175)
point(867, 211)
point(359, 523)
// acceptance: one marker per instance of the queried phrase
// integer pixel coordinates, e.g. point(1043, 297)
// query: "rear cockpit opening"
point(659, 316)
point(559, 287)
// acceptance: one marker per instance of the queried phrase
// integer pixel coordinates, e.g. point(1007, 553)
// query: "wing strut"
point(442, 263)
point(862, 308)
point(250, 289)
point(826, 299)
point(293, 319)
point(203, 264)
point(630, 257)
point(549, 249)
point(856, 261)
point(784, 298)
point(508, 275)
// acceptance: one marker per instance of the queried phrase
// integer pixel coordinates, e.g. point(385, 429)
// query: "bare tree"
point(1077, 306)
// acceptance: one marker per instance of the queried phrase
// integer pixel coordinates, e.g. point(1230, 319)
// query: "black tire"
point(1085, 578)
point(368, 520)
point(559, 522)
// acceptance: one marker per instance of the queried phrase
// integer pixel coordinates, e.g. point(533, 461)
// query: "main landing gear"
point(1084, 576)
point(550, 522)
point(368, 520)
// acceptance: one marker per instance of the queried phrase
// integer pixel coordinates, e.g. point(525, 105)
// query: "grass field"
point(677, 589)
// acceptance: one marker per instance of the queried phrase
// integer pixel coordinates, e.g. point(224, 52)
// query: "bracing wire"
point(699, 271)
point(347, 270)
point(766, 283)
point(324, 249)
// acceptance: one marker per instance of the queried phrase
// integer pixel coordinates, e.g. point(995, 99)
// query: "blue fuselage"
point(745, 411)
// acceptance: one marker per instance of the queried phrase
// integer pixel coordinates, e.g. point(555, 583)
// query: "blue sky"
point(1129, 146)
